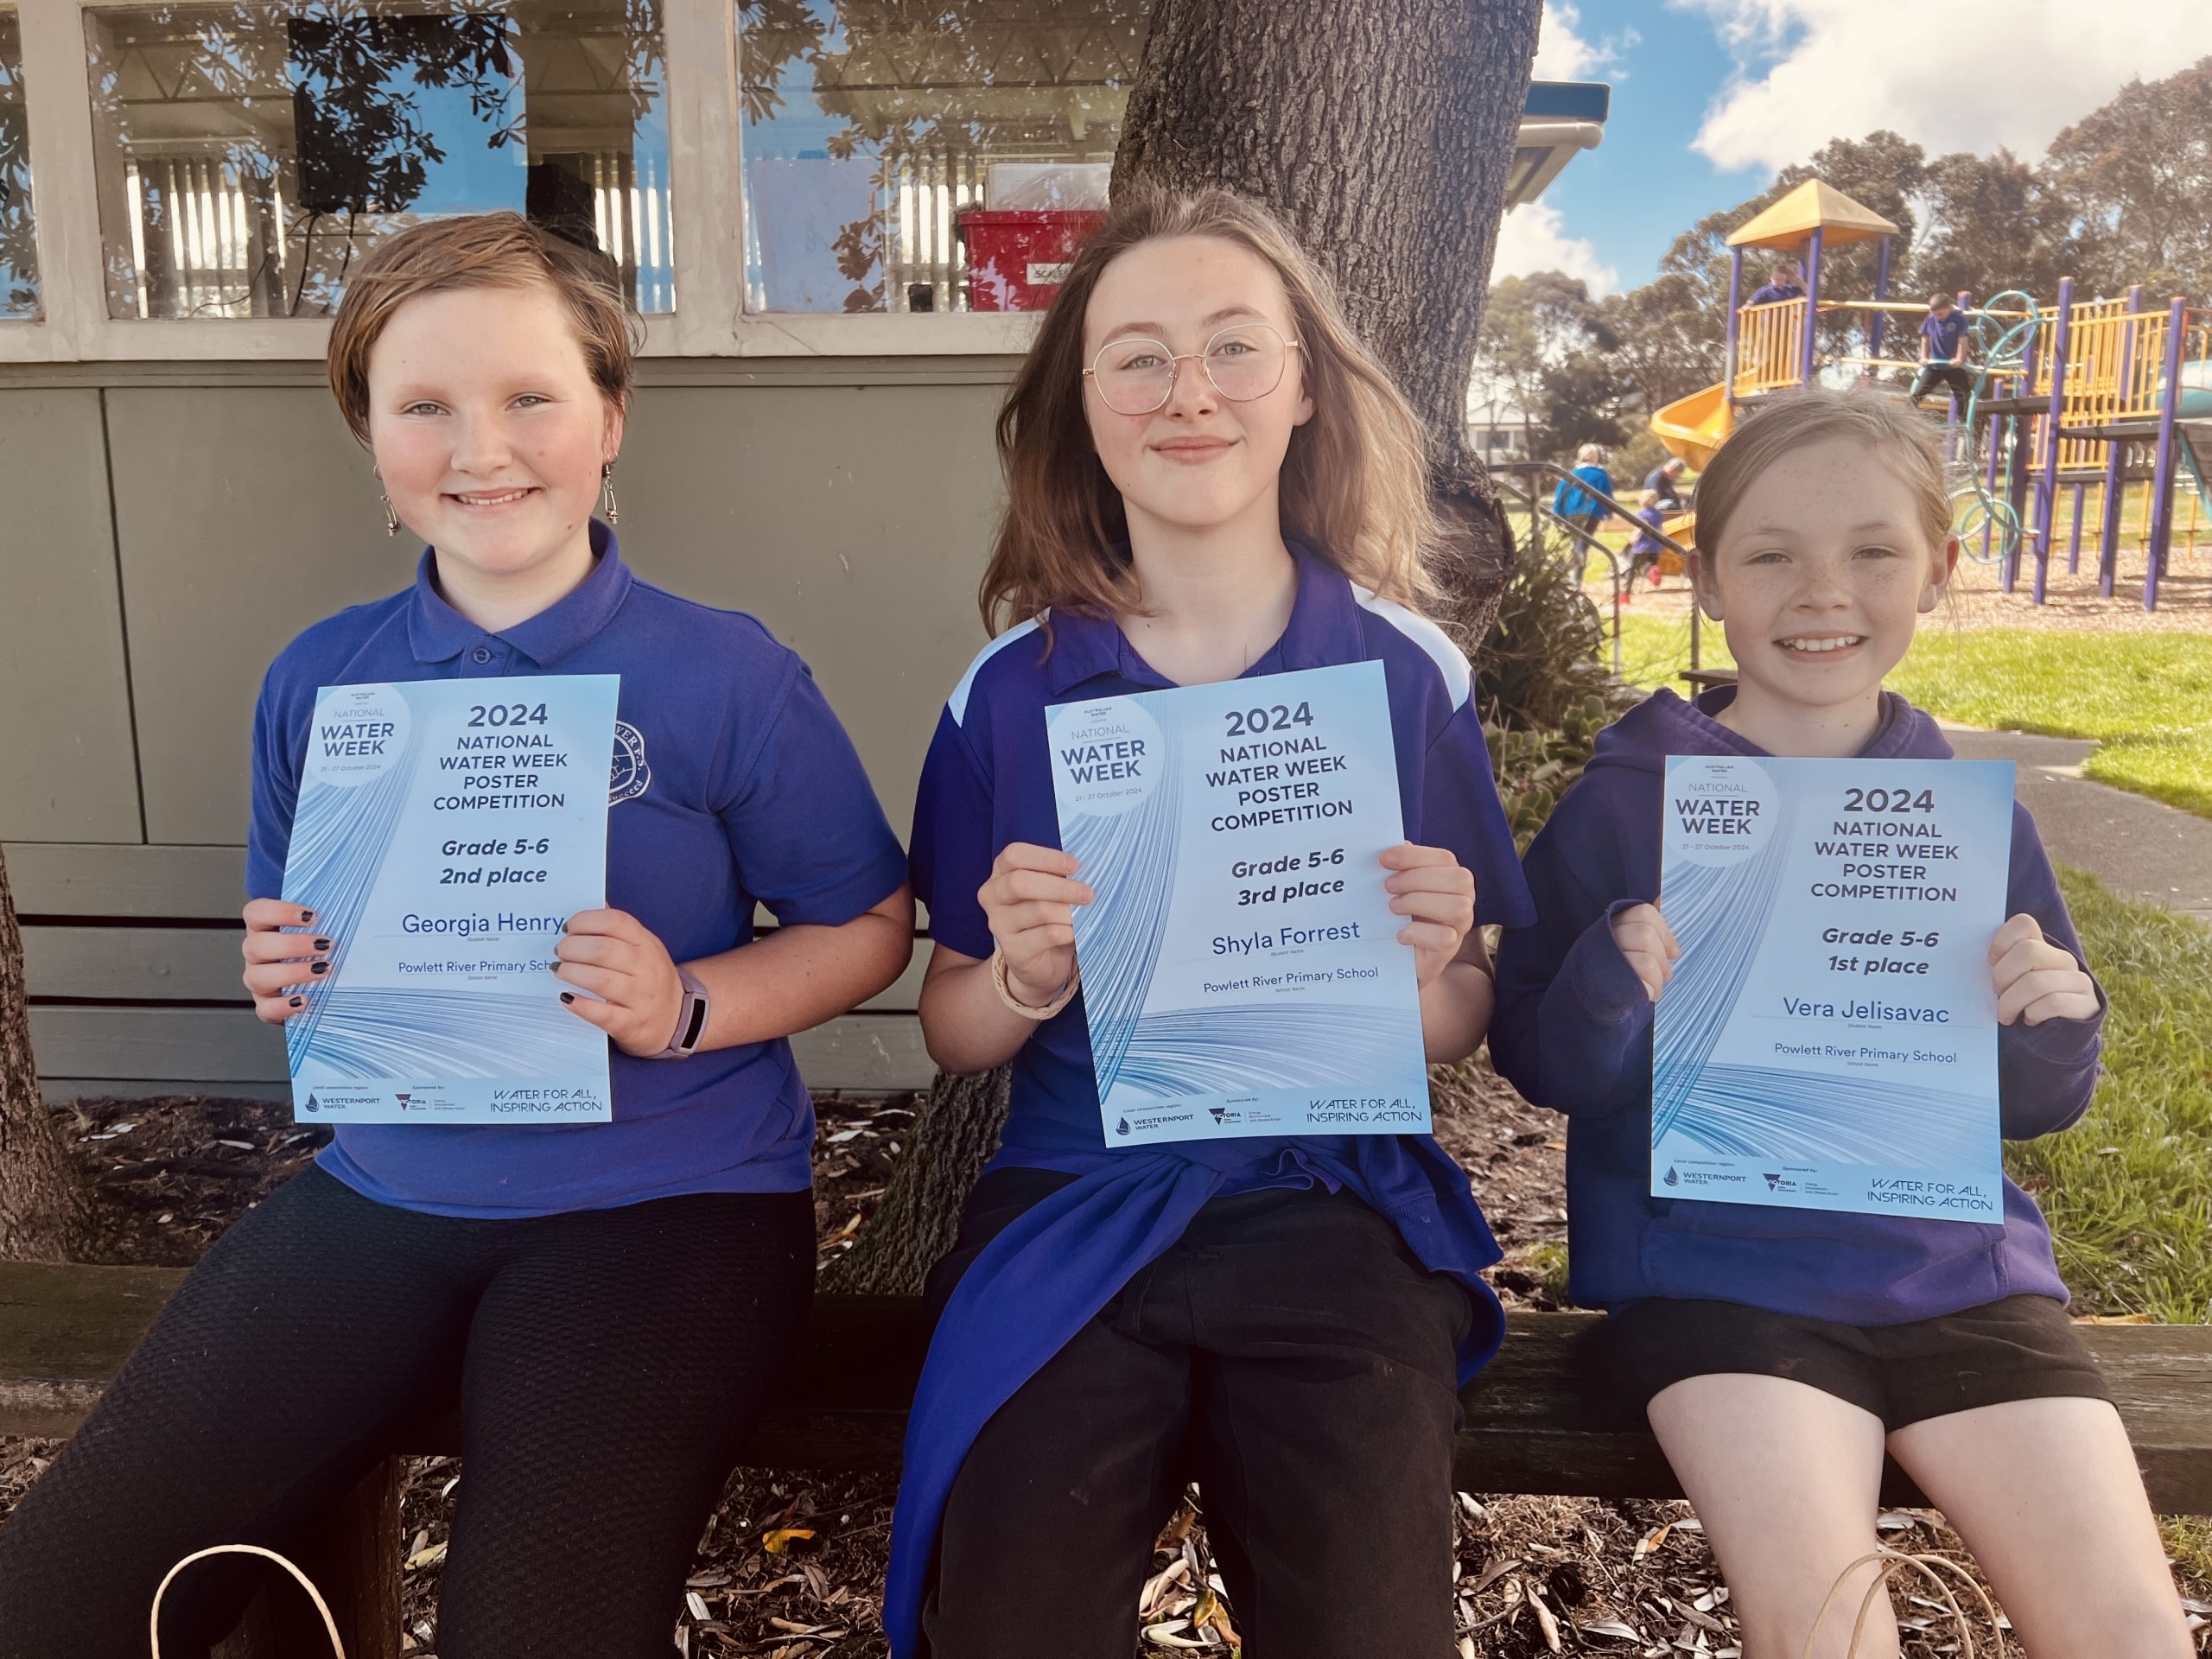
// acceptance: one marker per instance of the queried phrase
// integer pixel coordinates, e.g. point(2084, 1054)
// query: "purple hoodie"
point(1572, 1032)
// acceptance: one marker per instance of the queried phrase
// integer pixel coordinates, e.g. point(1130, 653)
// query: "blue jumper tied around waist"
point(1055, 1267)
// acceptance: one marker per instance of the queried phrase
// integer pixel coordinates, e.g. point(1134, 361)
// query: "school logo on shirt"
point(631, 777)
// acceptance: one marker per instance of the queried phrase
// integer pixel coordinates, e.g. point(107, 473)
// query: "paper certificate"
point(445, 831)
point(1240, 965)
point(1829, 1039)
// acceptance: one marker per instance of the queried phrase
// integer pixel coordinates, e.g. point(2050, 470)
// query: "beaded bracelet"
point(1066, 995)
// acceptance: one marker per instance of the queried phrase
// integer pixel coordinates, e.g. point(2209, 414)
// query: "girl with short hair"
point(1209, 479)
point(610, 1305)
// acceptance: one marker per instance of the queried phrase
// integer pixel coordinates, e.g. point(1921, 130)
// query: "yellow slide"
point(1695, 426)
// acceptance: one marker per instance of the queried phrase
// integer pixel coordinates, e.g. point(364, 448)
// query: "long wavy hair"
point(1354, 482)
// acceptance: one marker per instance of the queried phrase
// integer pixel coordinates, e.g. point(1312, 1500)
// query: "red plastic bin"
point(1017, 261)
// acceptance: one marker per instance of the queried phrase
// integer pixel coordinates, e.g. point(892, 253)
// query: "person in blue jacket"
point(1781, 1351)
point(1209, 479)
point(1572, 500)
point(610, 1305)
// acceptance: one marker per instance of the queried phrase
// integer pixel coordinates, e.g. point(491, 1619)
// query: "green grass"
point(2146, 698)
point(2128, 1190)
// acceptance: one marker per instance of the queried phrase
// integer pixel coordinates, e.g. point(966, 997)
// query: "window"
point(18, 249)
point(943, 157)
point(250, 153)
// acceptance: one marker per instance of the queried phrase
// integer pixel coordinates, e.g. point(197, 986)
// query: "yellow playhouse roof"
point(1812, 206)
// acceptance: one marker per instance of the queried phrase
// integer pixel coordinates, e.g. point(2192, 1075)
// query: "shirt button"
point(481, 654)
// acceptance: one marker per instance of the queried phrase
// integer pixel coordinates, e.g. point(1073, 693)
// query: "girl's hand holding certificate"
point(2034, 980)
point(1031, 898)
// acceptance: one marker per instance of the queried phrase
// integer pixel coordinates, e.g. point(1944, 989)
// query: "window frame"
point(706, 194)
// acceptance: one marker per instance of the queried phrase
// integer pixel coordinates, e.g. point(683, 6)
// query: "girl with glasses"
point(1209, 479)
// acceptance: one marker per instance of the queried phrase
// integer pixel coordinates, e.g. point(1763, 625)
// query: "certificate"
point(1829, 1039)
point(1240, 965)
point(443, 839)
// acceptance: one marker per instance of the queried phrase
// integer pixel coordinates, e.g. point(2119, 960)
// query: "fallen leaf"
point(1651, 1541)
point(776, 1540)
point(1545, 1622)
point(1611, 1627)
point(426, 1557)
point(697, 1604)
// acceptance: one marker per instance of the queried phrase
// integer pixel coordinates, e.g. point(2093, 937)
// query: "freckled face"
point(1201, 460)
point(487, 428)
point(1821, 574)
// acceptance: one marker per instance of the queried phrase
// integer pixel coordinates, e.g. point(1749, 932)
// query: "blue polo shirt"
point(731, 783)
point(1943, 334)
point(988, 781)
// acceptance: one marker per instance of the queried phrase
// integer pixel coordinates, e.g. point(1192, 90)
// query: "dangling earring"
point(390, 517)
point(606, 488)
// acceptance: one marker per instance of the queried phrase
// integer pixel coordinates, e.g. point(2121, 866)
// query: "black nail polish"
point(322, 945)
point(306, 919)
point(568, 997)
point(299, 1002)
point(318, 968)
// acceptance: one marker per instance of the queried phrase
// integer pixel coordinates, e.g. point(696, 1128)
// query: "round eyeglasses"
point(1243, 362)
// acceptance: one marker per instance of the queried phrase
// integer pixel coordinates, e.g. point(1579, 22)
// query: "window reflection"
point(250, 153)
point(18, 249)
point(942, 157)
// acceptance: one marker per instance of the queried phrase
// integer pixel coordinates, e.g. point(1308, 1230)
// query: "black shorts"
point(2021, 1348)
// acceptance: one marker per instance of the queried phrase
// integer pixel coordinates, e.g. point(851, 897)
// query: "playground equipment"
point(2102, 396)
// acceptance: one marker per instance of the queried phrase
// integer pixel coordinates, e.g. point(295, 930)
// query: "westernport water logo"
point(313, 1105)
point(1122, 1127)
point(1670, 1177)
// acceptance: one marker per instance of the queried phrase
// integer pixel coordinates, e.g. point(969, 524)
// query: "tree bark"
point(1382, 132)
point(954, 1134)
point(44, 1213)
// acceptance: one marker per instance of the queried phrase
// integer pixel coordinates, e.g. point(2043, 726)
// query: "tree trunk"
point(954, 1134)
point(1382, 132)
point(44, 1213)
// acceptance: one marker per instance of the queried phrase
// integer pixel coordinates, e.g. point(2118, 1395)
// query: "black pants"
point(1954, 375)
point(606, 1363)
point(1294, 1357)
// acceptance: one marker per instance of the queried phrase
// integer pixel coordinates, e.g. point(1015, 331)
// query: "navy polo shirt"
point(988, 781)
point(732, 782)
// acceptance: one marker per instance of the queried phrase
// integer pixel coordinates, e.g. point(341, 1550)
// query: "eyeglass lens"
point(1138, 376)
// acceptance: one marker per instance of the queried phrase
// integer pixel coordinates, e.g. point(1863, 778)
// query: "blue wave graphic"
point(340, 837)
point(405, 1033)
point(1225, 1050)
point(1742, 1111)
point(1718, 916)
point(1130, 861)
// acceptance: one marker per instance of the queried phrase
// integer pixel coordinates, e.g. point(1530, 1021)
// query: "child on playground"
point(1780, 1352)
point(608, 1305)
point(1943, 341)
point(1209, 479)
point(1643, 552)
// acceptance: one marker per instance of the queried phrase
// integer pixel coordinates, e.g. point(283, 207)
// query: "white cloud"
point(1532, 237)
point(1964, 74)
point(1561, 52)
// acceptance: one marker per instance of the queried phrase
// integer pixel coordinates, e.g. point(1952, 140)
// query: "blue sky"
point(1711, 97)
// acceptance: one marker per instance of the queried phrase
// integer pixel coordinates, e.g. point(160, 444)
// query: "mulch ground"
point(791, 1565)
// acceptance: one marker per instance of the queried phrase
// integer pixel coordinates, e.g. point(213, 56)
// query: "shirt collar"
point(1324, 630)
point(438, 633)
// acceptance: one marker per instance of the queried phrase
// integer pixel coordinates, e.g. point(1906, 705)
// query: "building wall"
point(173, 525)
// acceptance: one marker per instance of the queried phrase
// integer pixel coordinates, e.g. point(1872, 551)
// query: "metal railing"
point(1522, 476)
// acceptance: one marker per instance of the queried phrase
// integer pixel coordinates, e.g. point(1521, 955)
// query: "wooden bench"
point(1542, 1418)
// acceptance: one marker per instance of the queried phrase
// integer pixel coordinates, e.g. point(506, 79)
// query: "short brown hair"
point(501, 250)
point(1905, 440)
point(1355, 481)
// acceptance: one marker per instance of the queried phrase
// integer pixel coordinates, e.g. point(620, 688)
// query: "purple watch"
point(690, 1020)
